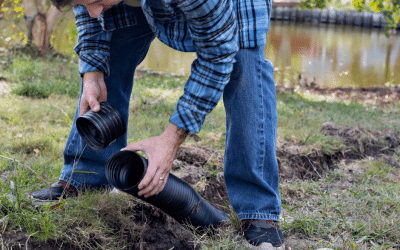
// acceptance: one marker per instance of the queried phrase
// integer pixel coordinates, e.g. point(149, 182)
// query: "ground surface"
point(159, 231)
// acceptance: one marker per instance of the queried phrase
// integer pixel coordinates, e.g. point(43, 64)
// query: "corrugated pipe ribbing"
point(125, 169)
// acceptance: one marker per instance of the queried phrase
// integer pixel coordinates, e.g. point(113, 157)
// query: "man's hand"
point(94, 92)
point(161, 151)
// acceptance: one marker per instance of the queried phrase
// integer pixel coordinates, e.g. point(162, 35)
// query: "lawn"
point(347, 196)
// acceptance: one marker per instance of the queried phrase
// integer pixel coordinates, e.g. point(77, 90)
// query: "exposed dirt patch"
point(368, 143)
point(189, 166)
point(360, 143)
point(146, 228)
point(198, 155)
point(30, 50)
point(215, 192)
point(159, 231)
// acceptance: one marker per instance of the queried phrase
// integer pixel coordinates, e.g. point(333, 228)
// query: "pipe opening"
point(91, 133)
point(132, 171)
point(125, 170)
point(100, 129)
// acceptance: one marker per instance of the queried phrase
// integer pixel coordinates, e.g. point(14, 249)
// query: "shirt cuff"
point(94, 62)
point(188, 116)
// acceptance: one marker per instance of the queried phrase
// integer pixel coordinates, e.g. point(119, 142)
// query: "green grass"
point(357, 206)
point(39, 77)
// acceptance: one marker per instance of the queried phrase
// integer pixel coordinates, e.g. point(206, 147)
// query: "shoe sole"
point(39, 202)
point(263, 246)
point(36, 201)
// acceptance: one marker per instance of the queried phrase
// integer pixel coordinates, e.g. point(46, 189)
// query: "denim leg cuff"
point(73, 183)
point(258, 217)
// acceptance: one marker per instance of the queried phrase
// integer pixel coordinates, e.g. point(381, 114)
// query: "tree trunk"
point(40, 23)
point(51, 19)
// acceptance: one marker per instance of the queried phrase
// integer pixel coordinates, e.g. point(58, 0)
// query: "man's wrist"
point(175, 134)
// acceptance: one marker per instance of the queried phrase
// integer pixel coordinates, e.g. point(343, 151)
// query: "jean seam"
point(74, 141)
point(261, 118)
point(69, 146)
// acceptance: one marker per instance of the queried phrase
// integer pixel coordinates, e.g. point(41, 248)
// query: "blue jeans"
point(251, 170)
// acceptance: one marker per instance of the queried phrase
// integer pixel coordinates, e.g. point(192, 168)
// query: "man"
point(229, 38)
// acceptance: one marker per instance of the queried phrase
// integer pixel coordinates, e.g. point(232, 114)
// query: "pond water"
point(334, 55)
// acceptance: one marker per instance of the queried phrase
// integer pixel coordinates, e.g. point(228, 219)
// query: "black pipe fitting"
point(100, 129)
point(125, 170)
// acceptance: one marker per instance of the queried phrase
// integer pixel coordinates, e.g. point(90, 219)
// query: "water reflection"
point(164, 59)
point(335, 55)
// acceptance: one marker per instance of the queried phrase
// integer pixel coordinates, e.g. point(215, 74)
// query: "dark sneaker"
point(262, 234)
point(55, 191)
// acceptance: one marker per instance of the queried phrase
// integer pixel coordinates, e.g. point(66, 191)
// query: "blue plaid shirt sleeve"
point(213, 29)
point(93, 47)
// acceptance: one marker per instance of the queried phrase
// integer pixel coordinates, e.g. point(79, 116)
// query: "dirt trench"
point(159, 231)
point(359, 143)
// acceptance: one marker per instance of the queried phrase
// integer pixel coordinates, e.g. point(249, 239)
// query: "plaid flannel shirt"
point(214, 29)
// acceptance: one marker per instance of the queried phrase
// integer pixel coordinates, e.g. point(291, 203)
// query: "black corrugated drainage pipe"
point(100, 129)
point(125, 169)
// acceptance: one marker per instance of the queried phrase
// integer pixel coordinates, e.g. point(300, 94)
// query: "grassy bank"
point(354, 204)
